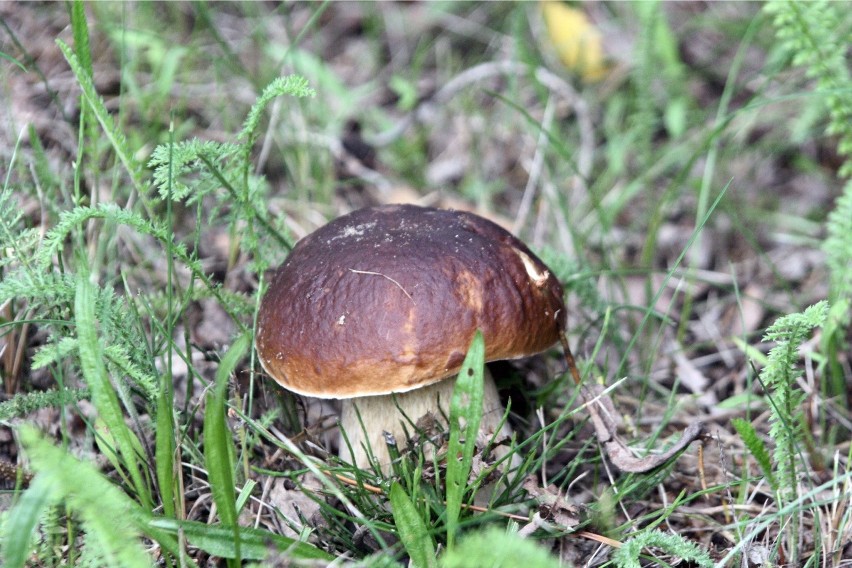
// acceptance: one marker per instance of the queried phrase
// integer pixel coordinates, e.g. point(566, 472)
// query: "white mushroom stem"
point(380, 414)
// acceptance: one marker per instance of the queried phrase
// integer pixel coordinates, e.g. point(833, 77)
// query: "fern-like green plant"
point(192, 169)
point(812, 33)
point(291, 85)
point(787, 421)
point(779, 378)
point(757, 448)
point(838, 258)
point(23, 404)
point(628, 555)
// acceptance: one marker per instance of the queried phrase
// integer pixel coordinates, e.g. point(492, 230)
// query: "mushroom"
point(379, 307)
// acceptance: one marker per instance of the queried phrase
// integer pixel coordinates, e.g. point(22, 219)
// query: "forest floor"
point(679, 186)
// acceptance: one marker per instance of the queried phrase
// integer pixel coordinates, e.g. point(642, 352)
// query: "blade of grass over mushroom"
point(254, 544)
point(219, 452)
point(412, 530)
point(465, 416)
point(103, 394)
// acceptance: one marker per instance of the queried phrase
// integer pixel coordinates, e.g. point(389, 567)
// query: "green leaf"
point(245, 494)
point(109, 516)
point(165, 453)
point(11, 59)
point(412, 530)
point(495, 548)
point(465, 416)
point(103, 395)
point(786, 399)
point(80, 29)
point(219, 449)
point(22, 522)
point(255, 544)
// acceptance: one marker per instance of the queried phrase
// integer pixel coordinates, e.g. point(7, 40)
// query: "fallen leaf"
point(603, 414)
point(578, 42)
point(552, 505)
point(294, 504)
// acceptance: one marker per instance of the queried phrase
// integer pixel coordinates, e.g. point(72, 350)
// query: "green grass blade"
point(219, 449)
point(108, 515)
point(245, 494)
point(9, 58)
point(412, 530)
point(255, 544)
point(22, 522)
point(115, 136)
point(165, 453)
point(465, 416)
point(649, 311)
point(103, 395)
point(166, 435)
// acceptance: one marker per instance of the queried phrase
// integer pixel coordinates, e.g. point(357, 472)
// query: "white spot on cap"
point(350, 231)
point(538, 278)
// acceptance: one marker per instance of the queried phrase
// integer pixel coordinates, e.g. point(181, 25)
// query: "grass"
point(692, 203)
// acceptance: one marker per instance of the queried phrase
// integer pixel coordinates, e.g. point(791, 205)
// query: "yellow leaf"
point(578, 42)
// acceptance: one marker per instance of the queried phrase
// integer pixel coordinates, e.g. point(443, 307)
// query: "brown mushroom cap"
point(387, 299)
